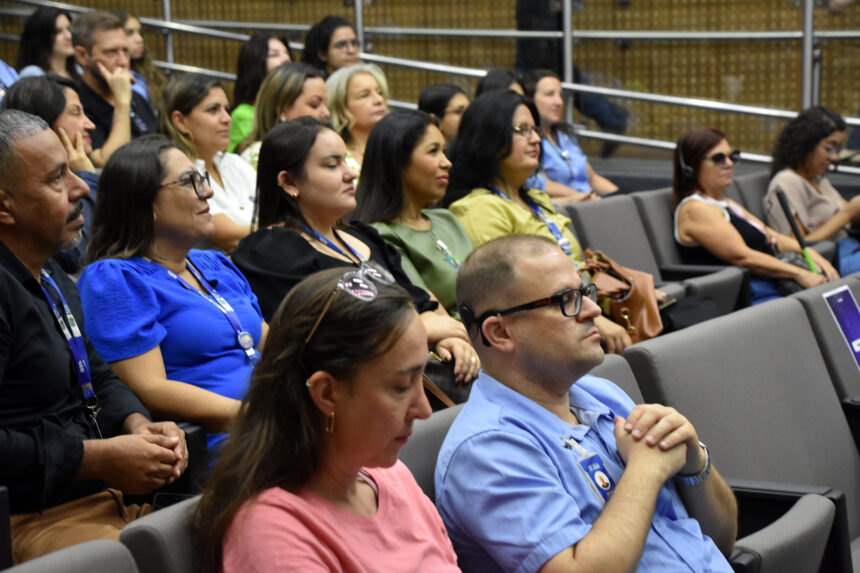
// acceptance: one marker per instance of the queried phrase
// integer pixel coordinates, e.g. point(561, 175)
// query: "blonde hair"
point(337, 86)
point(280, 89)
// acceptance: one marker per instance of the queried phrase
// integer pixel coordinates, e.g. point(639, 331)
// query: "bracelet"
point(696, 479)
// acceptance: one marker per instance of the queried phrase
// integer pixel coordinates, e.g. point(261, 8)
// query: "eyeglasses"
point(344, 43)
point(357, 283)
point(832, 151)
point(527, 129)
point(193, 178)
point(720, 158)
point(569, 302)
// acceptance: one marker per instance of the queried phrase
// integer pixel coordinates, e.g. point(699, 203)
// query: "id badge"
point(598, 476)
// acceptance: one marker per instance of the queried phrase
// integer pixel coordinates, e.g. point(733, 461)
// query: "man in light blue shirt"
point(550, 469)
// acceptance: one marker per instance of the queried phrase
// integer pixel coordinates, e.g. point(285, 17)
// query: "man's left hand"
point(665, 428)
point(138, 424)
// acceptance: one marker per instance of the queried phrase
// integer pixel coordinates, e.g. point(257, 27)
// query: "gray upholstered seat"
point(91, 557)
point(614, 226)
point(420, 452)
point(756, 387)
point(615, 369)
point(161, 541)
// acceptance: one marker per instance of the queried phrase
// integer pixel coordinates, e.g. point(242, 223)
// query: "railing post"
point(807, 56)
point(359, 22)
point(816, 76)
point(167, 16)
point(567, 51)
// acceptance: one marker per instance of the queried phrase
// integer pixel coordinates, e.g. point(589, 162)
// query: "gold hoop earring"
point(329, 426)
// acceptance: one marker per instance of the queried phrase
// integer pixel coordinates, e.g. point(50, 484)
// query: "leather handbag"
point(626, 295)
point(440, 386)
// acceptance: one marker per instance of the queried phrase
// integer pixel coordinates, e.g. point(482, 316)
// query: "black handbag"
point(440, 386)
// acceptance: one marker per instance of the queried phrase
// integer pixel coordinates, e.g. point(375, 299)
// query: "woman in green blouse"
point(405, 170)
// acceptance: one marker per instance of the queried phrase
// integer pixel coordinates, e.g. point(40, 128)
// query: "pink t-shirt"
point(282, 531)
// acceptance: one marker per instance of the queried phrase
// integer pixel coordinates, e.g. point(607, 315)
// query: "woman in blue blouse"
point(569, 177)
point(180, 326)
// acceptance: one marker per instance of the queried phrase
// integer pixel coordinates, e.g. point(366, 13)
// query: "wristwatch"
point(696, 479)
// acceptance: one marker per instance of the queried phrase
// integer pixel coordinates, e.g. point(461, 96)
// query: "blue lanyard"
point(75, 340)
point(245, 339)
point(323, 239)
point(562, 241)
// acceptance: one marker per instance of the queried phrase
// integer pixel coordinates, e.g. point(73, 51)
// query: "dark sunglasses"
point(720, 158)
point(569, 302)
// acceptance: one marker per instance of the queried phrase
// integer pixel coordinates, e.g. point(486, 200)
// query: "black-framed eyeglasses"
point(569, 302)
point(527, 129)
point(720, 158)
point(193, 178)
point(357, 283)
point(341, 45)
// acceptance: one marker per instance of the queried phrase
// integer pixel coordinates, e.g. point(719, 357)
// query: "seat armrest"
point(851, 407)
point(197, 472)
point(794, 542)
point(675, 272)
point(761, 503)
point(5, 530)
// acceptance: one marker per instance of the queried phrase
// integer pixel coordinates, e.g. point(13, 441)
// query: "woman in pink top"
point(309, 479)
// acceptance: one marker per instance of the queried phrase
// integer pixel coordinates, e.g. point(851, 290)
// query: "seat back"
point(613, 226)
point(420, 452)
point(161, 542)
point(751, 188)
point(838, 356)
point(92, 556)
point(615, 369)
point(657, 217)
point(755, 386)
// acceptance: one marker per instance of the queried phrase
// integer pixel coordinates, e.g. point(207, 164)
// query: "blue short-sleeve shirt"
point(133, 305)
point(512, 493)
point(565, 163)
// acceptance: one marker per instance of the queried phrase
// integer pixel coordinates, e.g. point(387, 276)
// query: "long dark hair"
point(318, 40)
point(285, 148)
point(155, 80)
point(251, 67)
point(123, 224)
point(497, 79)
point(435, 98)
point(694, 146)
point(801, 136)
point(484, 139)
point(37, 40)
point(389, 150)
point(42, 96)
point(277, 437)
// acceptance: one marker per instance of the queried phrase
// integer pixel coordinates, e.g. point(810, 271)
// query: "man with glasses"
point(548, 468)
point(68, 426)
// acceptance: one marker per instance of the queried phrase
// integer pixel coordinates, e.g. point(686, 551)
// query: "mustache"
point(79, 208)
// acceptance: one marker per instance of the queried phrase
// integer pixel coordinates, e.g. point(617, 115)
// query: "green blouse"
point(241, 124)
point(425, 261)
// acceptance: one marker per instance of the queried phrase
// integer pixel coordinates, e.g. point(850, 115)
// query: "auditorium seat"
point(613, 225)
point(161, 541)
point(420, 452)
point(97, 556)
point(756, 387)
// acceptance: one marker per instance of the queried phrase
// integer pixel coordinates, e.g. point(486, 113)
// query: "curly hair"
point(801, 136)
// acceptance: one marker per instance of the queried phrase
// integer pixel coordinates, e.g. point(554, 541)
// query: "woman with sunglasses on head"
point(804, 151)
point(305, 189)
point(495, 152)
point(568, 176)
point(712, 229)
point(406, 171)
point(310, 479)
point(331, 44)
point(291, 90)
point(182, 328)
point(194, 115)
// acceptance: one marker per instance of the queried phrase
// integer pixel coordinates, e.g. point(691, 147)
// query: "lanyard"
point(75, 340)
point(245, 339)
point(446, 252)
point(323, 239)
point(562, 241)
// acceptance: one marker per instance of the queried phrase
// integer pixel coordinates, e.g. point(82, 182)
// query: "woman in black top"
point(305, 188)
point(714, 230)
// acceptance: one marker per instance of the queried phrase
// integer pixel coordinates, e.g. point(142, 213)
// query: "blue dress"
point(133, 305)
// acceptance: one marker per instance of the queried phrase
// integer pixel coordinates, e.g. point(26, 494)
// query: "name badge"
point(598, 476)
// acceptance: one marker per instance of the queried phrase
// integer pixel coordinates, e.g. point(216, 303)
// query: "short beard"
point(72, 243)
point(98, 78)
